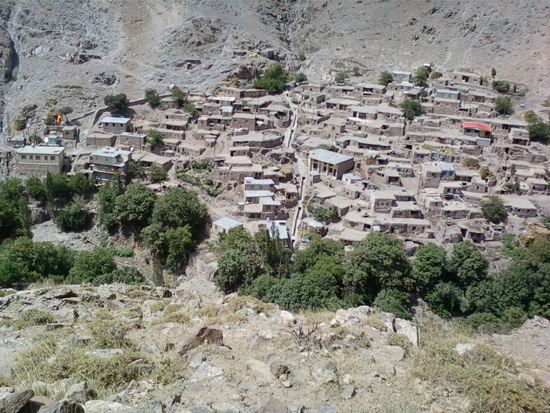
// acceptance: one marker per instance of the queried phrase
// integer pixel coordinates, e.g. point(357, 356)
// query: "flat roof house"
point(225, 225)
point(114, 124)
point(330, 163)
point(108, 163)
point(39, 160)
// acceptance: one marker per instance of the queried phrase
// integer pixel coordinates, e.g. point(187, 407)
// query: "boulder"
point(204, 335)
point(12, 401)
point(59, 293)
point(408, 329)
point(348, 392)
point(351, 317)
point(464, 348)
point(260, 370)
point(79, 393)
point(287, 318)
point(207, 371)
point(272, 405)
point(278, 368)
point(102, 406)
point(64, 406)
point(194, 358)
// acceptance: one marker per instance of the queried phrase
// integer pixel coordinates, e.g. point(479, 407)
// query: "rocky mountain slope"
point(80, 53)
point(118, 348)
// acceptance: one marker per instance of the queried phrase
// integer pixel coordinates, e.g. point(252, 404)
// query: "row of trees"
point(379, 273)
point(171, 224)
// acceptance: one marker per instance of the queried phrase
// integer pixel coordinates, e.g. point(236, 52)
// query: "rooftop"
point(329, 157)
point(227, 223)
point(41, 150)
point(112, 119)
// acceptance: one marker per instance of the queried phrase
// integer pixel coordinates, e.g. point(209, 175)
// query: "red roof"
point(476, 125)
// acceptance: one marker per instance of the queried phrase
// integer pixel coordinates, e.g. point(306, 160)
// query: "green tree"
point(385, 78)
point(340, 77)
point(378, 262)
point(125, 275)
point(191, 109)
point(117, 102)
point(135, 205)
point(180, 207)
point(445, 299)
point(468, 264)
point(74, 217)
point(135, 170)
point(157, 174)
point(410, 108)
point(57, 187)
point(80, 184)
point(429, 266)
point(14, 210)
point(65, 111)
point(493, 73)
point(180, 244)
point(108, 194)
point(24, 261)
point(501, 87)
point(89, 265)
point(503, 105)
point(393, 301)
point(273, 79)
point(35, 188)
point(494, 209)
point(420, 77)
point(179, 95)
point(154, 139)
point(300, 77)
point(152, 97)
point(539, 131)
point(240, 261)
point(261, 287)
point(317, 250)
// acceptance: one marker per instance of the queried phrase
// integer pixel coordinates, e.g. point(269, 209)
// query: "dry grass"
point(33, 317)
point(175, 317)
point(158, 306)
point(396, 339)
point(488, 379)
point(318, 317)
point(374, 322)
point(238, 302)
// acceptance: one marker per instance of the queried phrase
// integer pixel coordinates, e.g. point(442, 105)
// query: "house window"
point(23, 156)
point(30, 157)
point(37, 157)
point(52, 158)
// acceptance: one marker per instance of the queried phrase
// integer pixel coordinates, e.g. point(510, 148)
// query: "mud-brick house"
point(330, 164)
point(39, 160)
point(114, 124)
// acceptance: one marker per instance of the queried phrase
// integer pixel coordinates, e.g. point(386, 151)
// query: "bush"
point(74, 217)
point(179, 95)
point(19, 124)
point(539, 131)
point(124, 275)
point(154, 139)
point(157, 174)
point(89, 265)
point(33, 317)
point(191, 109)
point(340, 77)
point(393, 301)
point(80, 184)
point(135, 206)
point(470, 162)
point(35, 188)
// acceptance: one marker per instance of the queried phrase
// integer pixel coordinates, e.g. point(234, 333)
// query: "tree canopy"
point(273, 79)
point(411, 108)
point(117, 102)
point(385, 78)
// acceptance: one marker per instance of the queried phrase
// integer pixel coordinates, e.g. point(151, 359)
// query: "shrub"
point(74, 217)
point(470, 162)
point(19, 124)
point(397, 339)
point(501, 87)
point(191, 109)
point(154, 139)
point(124, 275)
point(89, 265)
point(393, 301)
point(300, 77)
point(302, 57)
point(179, 95)
point(35, 188)
point(340, 77)
point(33, 317)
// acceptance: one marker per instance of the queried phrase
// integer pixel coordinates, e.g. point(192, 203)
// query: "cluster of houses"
point(351, 150)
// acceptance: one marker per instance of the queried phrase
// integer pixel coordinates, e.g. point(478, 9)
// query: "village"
point(339, 160)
